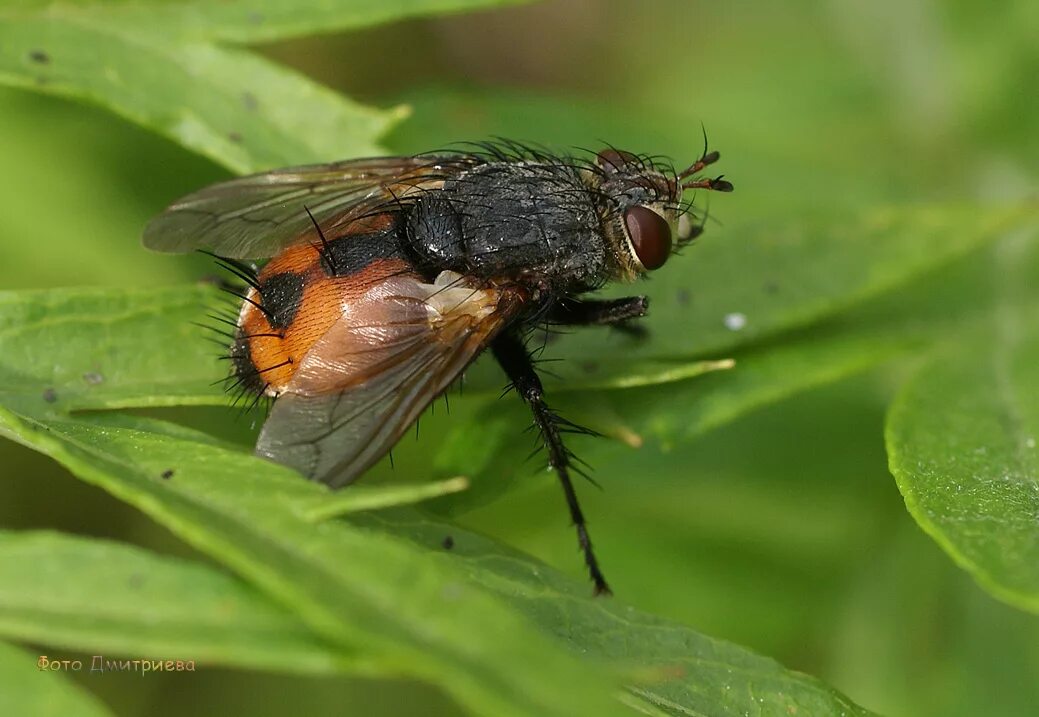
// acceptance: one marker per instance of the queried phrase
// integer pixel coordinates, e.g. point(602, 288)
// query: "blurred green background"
point(783, 531)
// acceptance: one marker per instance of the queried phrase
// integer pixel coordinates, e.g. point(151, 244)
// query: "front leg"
point(515, 361)
point(608, 312)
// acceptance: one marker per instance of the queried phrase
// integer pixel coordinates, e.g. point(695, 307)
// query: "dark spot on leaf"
point(249, 101)
point(40, 57)
point(234, 137)
point(448, 542)
point(50, 395)
point(166, 474)
point(683, 297)
point(93, 378)
point(589, 366)
point(771, 287)
point(255, 18)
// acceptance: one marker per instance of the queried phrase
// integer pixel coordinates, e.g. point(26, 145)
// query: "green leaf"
point(675, 412)
point(672, 668)
point(357, 590)
point(962, 438)
point(237, 109)
point(158, 64)
point(27, 692)
point(88, 348)
point(361, 498)
point(104, 598)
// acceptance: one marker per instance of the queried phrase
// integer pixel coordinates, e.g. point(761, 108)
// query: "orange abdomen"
point(298, 299)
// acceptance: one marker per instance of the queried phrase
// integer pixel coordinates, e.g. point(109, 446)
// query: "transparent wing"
point(256, 216)
point(374, 372)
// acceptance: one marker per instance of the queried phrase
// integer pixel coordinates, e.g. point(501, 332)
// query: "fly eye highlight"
point(650, 236)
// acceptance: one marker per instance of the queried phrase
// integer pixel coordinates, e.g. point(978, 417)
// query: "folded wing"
point(254, 217)
point(373, 373)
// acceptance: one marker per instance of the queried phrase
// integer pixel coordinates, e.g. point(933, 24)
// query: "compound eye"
point(612, 161)
point(650, 236)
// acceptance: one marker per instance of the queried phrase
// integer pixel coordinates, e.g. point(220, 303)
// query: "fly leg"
point(515, 360)
point(616, 313)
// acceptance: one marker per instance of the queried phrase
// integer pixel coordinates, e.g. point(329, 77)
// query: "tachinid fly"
point(387, 277)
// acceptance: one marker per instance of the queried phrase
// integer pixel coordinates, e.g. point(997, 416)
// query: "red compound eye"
point(650, 236)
